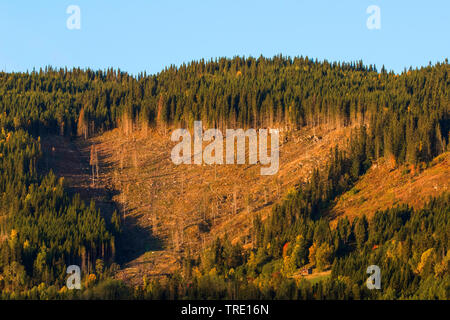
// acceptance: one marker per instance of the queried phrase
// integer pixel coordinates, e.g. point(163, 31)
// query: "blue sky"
point(138, 35)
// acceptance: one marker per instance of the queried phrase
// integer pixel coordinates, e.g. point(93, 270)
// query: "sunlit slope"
point(169, 211)
point(383, 187)
point(185, 207)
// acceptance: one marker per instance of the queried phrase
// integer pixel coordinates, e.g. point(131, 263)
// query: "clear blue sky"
point(138, 35)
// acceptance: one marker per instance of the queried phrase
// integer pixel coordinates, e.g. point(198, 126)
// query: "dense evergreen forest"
point(401, 117)
point(408, 113)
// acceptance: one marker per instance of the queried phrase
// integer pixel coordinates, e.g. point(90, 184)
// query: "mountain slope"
point(169, 211)
point(186, 207)
point(383, 187)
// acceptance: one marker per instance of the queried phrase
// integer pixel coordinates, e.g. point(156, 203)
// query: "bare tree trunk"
point(235, 200)
point(265, 195)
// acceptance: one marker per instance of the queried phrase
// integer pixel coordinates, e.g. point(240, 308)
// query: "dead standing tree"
point(82, 126)
point(234, 200)
point(248, 203)
point(93, 161)
point(214, 203)
point(266, 196)
point(135, 155)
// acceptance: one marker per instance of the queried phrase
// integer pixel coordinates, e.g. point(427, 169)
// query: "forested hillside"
point(408, 113)
point(402, 119)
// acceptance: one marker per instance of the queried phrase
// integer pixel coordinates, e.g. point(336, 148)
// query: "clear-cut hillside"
point(383, 187)
point(170, 210)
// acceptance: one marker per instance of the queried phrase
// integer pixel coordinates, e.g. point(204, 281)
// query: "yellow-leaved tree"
point(427, 261)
